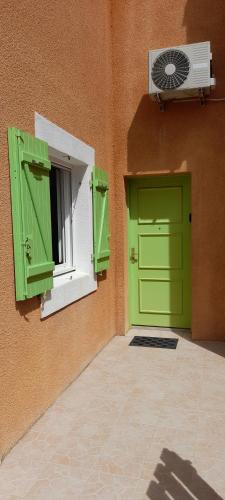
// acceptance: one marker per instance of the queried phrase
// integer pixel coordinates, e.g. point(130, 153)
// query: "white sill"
point(67, 288)
point(62, 269)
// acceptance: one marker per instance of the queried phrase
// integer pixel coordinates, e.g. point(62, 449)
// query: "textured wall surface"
point(56, 59)
point(186, 138)
point(53, 61)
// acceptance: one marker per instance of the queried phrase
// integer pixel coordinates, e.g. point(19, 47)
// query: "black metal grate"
point(154, 342)
point(170, 69)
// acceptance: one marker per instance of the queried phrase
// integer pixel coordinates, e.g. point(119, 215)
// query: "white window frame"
point(70, 152)
point(64, 194)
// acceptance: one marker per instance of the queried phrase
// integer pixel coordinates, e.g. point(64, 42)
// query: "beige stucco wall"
point(184, 138)
point(56, 60)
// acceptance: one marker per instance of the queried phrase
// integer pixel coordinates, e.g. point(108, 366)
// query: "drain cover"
point(154, 342)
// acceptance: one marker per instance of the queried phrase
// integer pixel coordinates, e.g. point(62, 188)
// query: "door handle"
point(133, 255)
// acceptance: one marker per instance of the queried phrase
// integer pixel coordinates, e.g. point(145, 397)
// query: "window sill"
point(67, 289)
point(60, 270)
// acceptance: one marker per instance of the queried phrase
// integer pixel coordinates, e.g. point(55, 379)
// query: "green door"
point(160, 251)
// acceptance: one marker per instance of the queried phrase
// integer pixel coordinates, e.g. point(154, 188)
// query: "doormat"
point(154, 342)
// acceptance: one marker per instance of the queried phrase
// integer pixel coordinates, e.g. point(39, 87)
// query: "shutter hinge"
point(20, 137)
point(28, 246)
point(92, 257)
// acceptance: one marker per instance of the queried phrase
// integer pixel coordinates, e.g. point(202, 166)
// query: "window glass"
point(61, 216)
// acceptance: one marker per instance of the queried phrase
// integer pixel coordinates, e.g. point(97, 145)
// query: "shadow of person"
point(177, 478)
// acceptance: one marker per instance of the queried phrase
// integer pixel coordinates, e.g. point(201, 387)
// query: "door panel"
point(159, 239)
point(160, 251)
point(159, 205)
point(154, 296)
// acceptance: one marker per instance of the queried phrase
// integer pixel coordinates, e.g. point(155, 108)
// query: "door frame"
point(129, 179)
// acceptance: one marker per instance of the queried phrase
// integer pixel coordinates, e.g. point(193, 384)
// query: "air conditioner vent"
point(180, 72)
point(170, 69)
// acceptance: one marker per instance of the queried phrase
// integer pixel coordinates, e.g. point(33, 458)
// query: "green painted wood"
point(100, 185)
point(30, 195)
point(160, 251)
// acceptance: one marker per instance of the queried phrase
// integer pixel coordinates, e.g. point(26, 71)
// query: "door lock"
point(133, 255)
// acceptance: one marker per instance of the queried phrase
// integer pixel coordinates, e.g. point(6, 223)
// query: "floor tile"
point(138, 424)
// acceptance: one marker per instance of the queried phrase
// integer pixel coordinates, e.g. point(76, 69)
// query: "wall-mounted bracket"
point(202, 97)
point(160, 102)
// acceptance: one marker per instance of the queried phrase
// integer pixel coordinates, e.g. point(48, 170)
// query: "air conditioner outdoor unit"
point(180, 72)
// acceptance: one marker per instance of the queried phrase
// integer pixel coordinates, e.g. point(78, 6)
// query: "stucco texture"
point(185, 138)
point(83, 65)
point(55, 59)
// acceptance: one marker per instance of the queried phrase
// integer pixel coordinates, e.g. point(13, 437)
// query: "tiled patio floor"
point(139, 423)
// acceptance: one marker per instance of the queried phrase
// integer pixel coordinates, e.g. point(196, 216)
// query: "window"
point(72, 216)
point(61, 218)
point(54, 183)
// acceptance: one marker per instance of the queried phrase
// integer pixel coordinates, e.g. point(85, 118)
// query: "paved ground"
point(139, 423)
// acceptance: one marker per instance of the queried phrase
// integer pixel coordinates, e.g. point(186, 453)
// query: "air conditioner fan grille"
point(170, 69)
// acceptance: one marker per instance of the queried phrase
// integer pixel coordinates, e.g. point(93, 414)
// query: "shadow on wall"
point(204, 20)
point(26, 307)
point(186, 137)
point(217, 348)
point(178, 479)
point(180, 138)
point(189, 137)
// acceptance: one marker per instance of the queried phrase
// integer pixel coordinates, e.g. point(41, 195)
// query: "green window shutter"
point(31, 213)
point(100, 185)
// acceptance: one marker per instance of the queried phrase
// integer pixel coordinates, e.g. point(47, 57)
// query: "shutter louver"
point(31, 213)
point(101, 219)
